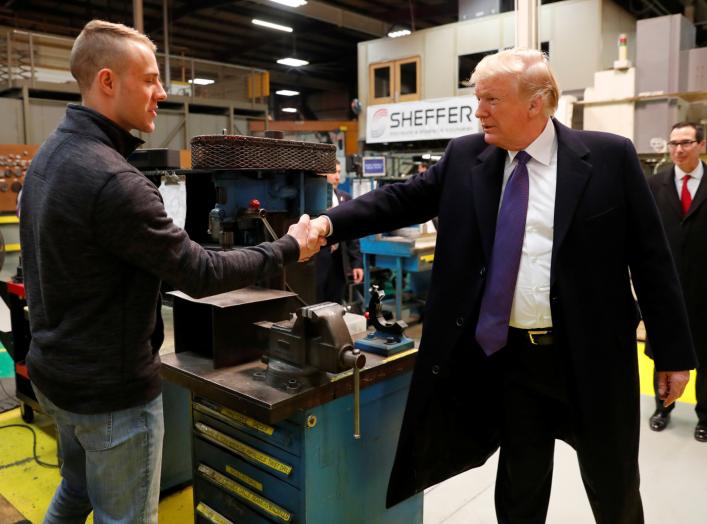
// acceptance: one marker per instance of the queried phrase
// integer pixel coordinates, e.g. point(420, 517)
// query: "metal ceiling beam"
point(335, 16)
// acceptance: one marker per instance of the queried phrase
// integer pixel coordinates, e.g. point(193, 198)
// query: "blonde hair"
point(531, 70)
point(101, 45)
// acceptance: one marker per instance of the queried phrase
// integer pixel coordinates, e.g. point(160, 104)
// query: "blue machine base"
point(384, 344)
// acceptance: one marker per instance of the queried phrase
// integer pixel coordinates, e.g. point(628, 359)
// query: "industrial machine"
point(292, 419)
point(408, 252)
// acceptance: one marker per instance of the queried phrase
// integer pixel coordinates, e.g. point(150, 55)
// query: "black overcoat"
point(605, 224)
point(687, 237)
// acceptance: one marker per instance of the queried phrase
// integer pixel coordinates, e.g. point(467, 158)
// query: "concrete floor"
point(673, 466)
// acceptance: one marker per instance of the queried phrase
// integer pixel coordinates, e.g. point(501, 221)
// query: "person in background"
point(680, 193)
point(422, 167)
point(530, 323)
point(335, 263)
point(96, 244)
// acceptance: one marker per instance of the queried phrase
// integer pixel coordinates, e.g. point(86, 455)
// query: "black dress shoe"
point(701, 432)
point(659, 421)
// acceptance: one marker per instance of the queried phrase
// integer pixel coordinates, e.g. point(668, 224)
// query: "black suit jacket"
point(687, 237)
point(606, 223)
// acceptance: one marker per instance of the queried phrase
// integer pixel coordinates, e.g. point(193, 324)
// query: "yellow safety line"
point(9, 219)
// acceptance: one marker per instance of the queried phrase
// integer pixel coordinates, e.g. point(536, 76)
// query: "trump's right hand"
point(318, 231)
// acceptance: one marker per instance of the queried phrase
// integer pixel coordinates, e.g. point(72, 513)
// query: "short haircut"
point(531, 70)
point(101, 45)
point(699, 130)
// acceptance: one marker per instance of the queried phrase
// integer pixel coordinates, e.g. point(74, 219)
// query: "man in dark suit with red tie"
point(529, 332)
point(680, 194)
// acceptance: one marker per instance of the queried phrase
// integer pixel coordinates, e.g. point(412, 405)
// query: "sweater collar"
point(82, 120)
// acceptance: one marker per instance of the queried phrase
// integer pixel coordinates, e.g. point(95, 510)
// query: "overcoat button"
point(435, 369)
point(460, 321)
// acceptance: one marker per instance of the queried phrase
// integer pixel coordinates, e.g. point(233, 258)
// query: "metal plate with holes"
point(248, 152)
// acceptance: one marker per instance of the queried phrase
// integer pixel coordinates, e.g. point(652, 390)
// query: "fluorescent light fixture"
point(291, 3)
point(201, 81)
point(289, 109)
point(286, 92)
point(293, 62)
point(270, 25)
point(398, 33)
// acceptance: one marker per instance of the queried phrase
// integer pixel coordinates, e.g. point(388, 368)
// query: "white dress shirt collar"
point(543, 147)
point(695, 173)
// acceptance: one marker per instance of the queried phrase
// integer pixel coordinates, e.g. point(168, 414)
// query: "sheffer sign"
point(423, 120)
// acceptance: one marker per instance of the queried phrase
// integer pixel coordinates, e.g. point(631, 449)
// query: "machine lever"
point(354, 358)
point(263, 216)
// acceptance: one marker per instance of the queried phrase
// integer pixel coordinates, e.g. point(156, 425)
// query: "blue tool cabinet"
point(268, 455)
point(306, 469)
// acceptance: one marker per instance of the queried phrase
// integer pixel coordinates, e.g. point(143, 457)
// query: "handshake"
point(310, 235)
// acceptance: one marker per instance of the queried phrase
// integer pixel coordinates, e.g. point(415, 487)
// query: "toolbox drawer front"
point(228, 506)
point(285, 435)
point(244, 496)
point(271, 459)
point(251, 477)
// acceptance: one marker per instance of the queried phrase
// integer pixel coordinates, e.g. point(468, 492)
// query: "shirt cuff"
point(331, 226)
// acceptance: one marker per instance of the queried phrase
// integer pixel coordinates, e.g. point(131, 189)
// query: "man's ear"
point(536, 105)
point(105, 81)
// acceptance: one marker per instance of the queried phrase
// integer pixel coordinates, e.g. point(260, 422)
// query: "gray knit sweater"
point(96, 242)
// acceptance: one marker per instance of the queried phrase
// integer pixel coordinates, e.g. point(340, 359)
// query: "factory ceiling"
point(324, 33)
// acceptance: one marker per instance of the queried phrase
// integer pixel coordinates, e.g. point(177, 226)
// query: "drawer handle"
point(228, 415)
point(211, 515)
point(241, 449)
point(244, 493)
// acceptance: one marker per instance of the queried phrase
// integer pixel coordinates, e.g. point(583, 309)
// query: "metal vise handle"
point(354, 358)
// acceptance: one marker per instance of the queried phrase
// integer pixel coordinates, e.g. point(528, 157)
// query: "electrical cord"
point(34, 445)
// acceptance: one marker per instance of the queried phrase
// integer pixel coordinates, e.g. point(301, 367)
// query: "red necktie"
point(685, 196)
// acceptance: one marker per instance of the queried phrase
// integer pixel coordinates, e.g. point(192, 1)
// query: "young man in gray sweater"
point(96, 243)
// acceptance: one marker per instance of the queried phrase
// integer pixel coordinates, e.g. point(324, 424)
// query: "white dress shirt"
point(693, 183)
point(531, 301)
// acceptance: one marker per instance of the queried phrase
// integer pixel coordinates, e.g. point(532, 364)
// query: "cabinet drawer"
point(205, 513)
point(266, 507)
point(251, 477)
point(271, 459)
point(227, 505)
point(285, 435)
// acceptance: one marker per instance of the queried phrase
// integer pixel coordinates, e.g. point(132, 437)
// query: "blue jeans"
point(111, 464)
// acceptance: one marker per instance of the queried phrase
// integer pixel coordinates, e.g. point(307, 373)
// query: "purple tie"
point(492, 328)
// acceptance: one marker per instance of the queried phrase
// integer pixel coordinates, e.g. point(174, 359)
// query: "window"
point(467, 64)
point(395, 81)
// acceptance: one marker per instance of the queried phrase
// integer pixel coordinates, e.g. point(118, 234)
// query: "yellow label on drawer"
point(242, 449)
point(245, 479)
point(211, 515)
point(233, 487)
point(221, 412)
point(427, 258)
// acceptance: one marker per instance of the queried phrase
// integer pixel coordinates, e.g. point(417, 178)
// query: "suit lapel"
point(573, 173)
point(700, 195)
point(486, 180)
